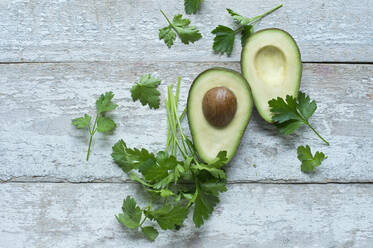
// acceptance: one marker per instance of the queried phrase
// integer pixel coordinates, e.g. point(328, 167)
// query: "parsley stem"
point(168, 127)
point(309, 125)
point(173, 116)
point(169, 22)
point(90, 139)
point(142, 222)
point(182, 114)
point(267, 13)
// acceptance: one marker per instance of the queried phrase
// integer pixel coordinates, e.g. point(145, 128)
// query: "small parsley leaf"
point(146, 91)
point(181, 28)
point(224, 39)
point(168, 35)
point(105, 124)
point(192, 6)
point(150, 232)
point(131, 215)
point(104, 103)
point(309, 162)
point(204, 205)
point(239, 19)
point(82, 122)
point(291, 113)
point(247, 30)
point(168, 217)
point(129, 159)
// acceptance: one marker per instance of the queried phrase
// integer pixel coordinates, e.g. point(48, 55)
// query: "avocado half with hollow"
point(271, 64)
point(219, 109)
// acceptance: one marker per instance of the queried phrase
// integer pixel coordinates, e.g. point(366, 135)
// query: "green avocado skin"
point(189, 112)
point(300, 68)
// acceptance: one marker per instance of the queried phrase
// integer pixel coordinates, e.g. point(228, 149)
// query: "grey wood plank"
point(127, 30)
point(248, 215)
point(38, 142)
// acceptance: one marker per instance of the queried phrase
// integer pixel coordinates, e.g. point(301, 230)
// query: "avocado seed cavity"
point(219, 106)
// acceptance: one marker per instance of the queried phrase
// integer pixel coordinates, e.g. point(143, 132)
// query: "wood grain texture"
point(127, 30)
point(249, 215)
point(38, 142)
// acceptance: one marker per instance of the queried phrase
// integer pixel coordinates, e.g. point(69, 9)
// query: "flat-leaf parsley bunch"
point(175, 178)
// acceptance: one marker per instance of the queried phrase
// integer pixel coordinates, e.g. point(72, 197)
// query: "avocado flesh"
point(271, 63)
point(208, 139)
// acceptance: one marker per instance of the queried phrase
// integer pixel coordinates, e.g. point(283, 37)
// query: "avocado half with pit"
point(271, 64)
point(219, 109)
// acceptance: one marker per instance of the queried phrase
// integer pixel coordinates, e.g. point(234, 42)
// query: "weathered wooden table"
point(56, 57)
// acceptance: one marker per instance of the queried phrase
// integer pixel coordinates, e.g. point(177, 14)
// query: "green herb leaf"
point(181, 28)
point(309, 162)
point(290, 114)
point(104, 103)
point(204, 205)
point(224, 39)
point(168, 35)
point(131, 215)
point(192, 6)
point(168, 217)
point(134, 177)
point(247, 30)
point(129, 159)
point(82, 122)
point(150, 232)
point(239, 19)
point(146, 91)
point(157, 169)
point(105, 124)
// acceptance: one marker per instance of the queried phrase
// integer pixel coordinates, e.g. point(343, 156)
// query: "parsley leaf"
point(206, 200)
point(225, 36)
point(101, 124)
point(309, 162)
point(105, 124)
point(82, 122)
point(224, 39)
point(192, 6)
point(146, 91)
point(104, 103)
point(291, 113)
point(150, 232)
point(247, 30)
point(239, 19)
point(168, 35)
point(181, 28)
point(168, 217)
point(214, 168)
point(129, 159)
point(131, 215)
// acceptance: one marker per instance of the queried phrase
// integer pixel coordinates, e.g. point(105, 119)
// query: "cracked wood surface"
point(38, 142)
point(248, 215)
point(123, 30)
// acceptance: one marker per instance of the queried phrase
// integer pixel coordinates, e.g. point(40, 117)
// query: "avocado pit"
point(219, 106)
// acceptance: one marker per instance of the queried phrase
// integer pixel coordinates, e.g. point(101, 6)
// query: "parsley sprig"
point(175, 178)
point(146, 91)
point(102, 123)
point(178, 27)
point(291, 113)
point(225, 36)
point(309, 161)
